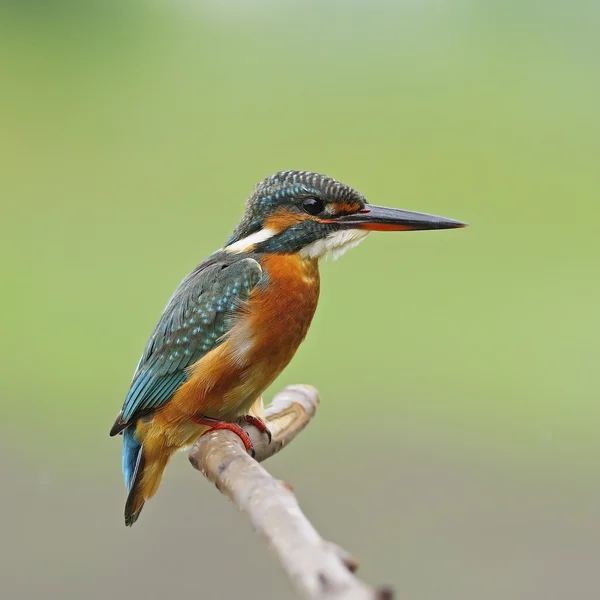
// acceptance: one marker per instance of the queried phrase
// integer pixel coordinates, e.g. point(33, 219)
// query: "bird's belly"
point(225, 383)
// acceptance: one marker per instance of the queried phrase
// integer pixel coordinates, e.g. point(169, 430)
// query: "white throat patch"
point(250, 241)
point(335, 243)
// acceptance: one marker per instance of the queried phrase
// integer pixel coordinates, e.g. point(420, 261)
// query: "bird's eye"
point(313, 206)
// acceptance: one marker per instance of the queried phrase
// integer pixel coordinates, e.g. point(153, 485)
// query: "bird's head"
point(312, 214)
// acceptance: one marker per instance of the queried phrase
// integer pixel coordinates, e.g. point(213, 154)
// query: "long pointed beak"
point(380, 218)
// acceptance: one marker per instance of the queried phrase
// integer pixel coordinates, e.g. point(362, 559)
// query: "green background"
point(456, 447)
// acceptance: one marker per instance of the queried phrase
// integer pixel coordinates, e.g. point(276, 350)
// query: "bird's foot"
point(216, 425)
point(259, 424)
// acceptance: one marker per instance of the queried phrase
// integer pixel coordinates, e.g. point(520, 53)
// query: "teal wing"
point(200, 312)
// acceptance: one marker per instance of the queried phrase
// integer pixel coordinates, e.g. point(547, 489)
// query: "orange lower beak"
point(380, 218)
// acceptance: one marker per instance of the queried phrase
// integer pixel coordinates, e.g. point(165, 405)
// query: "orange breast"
point(281, 312)
point(225, 382)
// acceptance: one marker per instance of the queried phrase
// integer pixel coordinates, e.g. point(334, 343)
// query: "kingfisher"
point(235, 322)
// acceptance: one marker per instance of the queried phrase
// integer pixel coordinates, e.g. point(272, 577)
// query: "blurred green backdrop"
point(457, 443)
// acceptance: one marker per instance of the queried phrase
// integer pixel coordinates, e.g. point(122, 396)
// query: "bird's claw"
point(259, 424)
point(236, 428)
point(216, 425)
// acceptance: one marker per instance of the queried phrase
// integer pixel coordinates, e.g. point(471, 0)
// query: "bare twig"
point(319, 570)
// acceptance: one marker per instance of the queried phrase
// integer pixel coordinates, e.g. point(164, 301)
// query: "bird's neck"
point(282, 307)
point(291, 270)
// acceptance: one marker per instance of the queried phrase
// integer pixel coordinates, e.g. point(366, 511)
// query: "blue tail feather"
point(132, 450)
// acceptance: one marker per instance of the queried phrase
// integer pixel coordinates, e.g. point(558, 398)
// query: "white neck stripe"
point(250, 241)
point(335, 243)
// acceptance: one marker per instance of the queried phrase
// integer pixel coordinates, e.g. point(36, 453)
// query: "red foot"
point(260, 425)
point(215, 424)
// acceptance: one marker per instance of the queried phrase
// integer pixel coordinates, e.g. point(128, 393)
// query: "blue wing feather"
point(198, 315)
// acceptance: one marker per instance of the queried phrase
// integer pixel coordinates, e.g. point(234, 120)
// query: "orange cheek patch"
point(347, 208)
point(283, 219)
point(341, 208)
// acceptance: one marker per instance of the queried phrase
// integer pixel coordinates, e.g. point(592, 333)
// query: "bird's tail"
point(142, 470)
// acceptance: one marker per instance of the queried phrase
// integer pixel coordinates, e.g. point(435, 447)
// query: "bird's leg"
point(215, 424)
point(259, 424)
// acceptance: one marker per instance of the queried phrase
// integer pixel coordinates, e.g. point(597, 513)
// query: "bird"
point(235, 322)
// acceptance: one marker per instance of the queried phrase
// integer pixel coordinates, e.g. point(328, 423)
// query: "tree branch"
point(319, 570)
